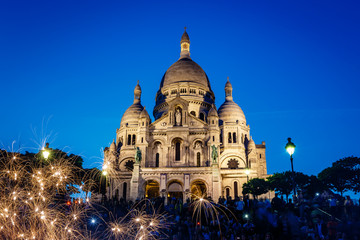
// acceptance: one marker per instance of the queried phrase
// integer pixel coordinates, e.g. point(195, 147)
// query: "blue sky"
point(68, 70)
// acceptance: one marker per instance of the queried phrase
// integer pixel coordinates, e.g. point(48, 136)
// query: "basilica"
point(191, 148)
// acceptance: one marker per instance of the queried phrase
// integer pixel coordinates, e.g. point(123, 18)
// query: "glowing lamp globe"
point(46, 154)
point(247, 171)
point(290, 147)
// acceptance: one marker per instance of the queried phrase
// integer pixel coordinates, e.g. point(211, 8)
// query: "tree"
point(343, 175)
point(55, 154)
point(281, 183)
point(256, 187)
point(352, 164)
point(314, 186)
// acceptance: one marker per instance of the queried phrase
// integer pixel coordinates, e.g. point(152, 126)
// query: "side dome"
point(229, 111)
point(185, 70)
point(251, 144)
point(212, 113)
point(144, 114)
point(132, 114)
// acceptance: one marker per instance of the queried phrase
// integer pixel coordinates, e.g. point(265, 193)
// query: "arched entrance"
point(198, 189)
point(175, 190)
point(152, 189)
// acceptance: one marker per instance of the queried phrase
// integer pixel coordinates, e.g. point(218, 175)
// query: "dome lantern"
point(228, 90)
point(185, 45)
point(137, 93)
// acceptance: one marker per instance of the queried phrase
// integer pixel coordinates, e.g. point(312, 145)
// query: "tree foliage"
point(343, 175)
point(256, 187)
point(281, 183)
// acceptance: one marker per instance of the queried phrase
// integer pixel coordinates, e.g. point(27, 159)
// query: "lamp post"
point(290, 148)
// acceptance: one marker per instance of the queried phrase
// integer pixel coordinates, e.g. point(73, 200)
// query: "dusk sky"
point(68, 69)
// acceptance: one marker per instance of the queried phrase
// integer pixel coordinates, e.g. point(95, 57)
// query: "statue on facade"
point(214, 153)
point(137, 155)
point(177, 117)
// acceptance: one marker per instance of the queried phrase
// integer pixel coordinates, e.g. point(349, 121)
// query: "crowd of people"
point(325, 216)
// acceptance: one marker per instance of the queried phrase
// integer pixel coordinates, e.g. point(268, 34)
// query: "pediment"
point(162, 122)
point(195, 122)
point(178, 101)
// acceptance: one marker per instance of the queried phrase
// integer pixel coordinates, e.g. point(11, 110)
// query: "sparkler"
point(205, 209)
point(30, 199)
point(143, 222)
point(33, 203)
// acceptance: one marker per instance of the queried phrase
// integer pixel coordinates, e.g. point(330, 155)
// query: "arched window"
point(193, 113)
point(177, 151)
point(202, 116)
point(129, 140)
point(235, 189)
point(213, 138)
point(157, 159)
point(221, 137)
point(124, 190)
point(227, 190)
point(234, 137)
point(229, 139)
point(133, 139)
point(198, 159)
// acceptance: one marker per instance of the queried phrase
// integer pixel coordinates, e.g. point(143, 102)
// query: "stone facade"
point(191, 148)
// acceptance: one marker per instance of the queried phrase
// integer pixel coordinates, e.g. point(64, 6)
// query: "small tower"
point(213, 117)
point(185, 45)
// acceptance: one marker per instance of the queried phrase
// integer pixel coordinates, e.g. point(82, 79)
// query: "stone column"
point(163, 181)
point(134, 183)
point(186, 187)
point(216, 179)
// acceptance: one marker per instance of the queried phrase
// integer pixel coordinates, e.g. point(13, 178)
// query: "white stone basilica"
point(191, 148)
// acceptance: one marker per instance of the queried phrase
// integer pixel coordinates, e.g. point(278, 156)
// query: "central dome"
point(185, 70)
point(185, 79)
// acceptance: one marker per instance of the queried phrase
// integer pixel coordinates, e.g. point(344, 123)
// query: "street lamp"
point(46, 151)
point(247, 172)
point(46, 154)
point(290, 148)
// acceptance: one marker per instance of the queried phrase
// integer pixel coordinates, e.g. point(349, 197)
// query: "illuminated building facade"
point(190, 148)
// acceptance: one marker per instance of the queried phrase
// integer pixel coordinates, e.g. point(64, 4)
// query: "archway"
point(198, 189)
point(175, 190)
point(152, 189)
